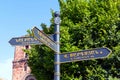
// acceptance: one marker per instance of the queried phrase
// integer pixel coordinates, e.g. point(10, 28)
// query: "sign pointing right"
point(43, 38)
point(84, 55)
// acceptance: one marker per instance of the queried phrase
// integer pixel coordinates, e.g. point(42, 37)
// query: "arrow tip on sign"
point(10, 41)
point(109, 51)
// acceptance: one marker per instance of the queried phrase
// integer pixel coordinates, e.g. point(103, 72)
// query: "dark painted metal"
point(57, 39)
point(43, 38)
point(22, 41)
point(84, 55)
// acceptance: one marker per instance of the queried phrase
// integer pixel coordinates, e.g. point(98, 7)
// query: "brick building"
point(21, 70)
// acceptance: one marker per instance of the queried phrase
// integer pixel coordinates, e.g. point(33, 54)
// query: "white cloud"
point(6, 69)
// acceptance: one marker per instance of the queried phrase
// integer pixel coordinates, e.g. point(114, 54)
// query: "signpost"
point(55, 46)
point(84, 55)
point(22, 41)
point(42, 37)
point(53, 42)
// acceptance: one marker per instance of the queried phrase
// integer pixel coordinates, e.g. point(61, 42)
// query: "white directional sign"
point(42, 37)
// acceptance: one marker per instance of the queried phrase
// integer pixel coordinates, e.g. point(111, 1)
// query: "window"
point(25, 67)
point(26, 47)
point(26, 55)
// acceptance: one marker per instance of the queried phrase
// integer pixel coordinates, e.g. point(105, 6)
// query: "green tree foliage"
point(85, 24)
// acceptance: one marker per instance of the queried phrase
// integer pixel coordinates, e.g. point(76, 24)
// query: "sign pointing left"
point(22, 41)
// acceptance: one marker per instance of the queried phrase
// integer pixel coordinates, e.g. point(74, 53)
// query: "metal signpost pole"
point(57, 39)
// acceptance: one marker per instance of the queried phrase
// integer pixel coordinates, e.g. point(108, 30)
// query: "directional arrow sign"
point(22, 41)
point(84, 55)
point(42, 37)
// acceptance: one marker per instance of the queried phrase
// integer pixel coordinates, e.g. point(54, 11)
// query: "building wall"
point(20, 67)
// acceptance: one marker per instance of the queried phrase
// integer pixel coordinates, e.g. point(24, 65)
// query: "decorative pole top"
point(57, 14)
point(57, 18)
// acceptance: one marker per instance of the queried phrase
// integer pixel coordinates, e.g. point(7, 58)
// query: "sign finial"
point(57, 18)
point(57, 14)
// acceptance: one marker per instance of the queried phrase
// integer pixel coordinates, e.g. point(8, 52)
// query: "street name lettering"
point(22, 41)
point(25, 39)
point(45, 39)
point(84, 55)
point(42, 37)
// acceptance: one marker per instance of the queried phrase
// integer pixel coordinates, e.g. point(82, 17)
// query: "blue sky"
point(16, 17)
